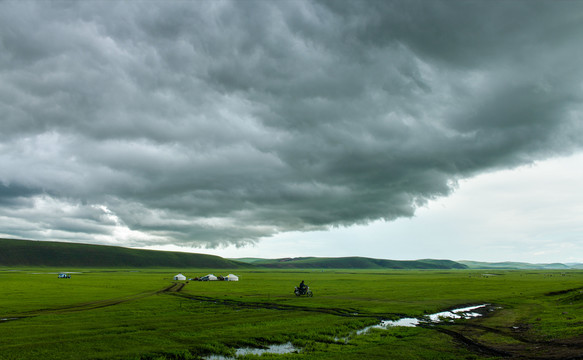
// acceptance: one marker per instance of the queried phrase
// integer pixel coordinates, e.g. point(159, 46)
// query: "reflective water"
point(461, 313)
point(8, 319)
point(273, 349)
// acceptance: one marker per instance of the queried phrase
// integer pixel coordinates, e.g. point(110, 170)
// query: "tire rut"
point(174, 288)
point(547, 349)
point(473, 345)
point(286, 307)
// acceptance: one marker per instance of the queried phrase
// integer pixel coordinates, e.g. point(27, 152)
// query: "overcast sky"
point(316, 127)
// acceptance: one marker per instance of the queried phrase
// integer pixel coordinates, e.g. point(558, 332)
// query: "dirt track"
point(522, 348)
point(174, 288)
point(519, 346)
point(285, 307)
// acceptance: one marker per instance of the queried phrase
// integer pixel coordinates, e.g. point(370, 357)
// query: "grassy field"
point(129, 314)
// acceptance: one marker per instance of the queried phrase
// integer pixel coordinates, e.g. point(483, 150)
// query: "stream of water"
point(273, 349)
point(461, 313)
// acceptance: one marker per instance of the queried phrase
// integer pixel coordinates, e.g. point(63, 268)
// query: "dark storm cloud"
point(224, 122)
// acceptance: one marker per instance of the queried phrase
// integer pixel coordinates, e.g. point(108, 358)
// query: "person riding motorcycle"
point(303, 289)
point(302, 286)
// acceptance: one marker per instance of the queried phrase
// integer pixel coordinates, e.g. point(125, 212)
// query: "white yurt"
point(179, 277)
point(231, 277)
point(211, 277)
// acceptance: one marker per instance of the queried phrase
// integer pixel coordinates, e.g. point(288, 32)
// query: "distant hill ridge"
point(352, 262)
point(48, 253)
point(509, 265)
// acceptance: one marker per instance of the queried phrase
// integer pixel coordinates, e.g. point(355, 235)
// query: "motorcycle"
point(305, 291)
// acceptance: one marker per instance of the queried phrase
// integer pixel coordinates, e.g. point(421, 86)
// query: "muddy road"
point(511, 344)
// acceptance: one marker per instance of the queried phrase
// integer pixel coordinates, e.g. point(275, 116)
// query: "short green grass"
point(59, 319)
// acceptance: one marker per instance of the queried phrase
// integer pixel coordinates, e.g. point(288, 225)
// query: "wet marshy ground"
point(459, 313)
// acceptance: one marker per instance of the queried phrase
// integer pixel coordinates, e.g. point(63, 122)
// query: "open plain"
point(145, 314)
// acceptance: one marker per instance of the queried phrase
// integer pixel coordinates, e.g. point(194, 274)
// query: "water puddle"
point(8, 319)
point(461, 313)
point(273, 349)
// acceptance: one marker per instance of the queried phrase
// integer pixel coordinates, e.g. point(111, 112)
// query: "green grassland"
point(141, 314)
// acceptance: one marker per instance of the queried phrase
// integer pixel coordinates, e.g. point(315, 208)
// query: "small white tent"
point(179, 277)
point(231, 277)
point(211, 277)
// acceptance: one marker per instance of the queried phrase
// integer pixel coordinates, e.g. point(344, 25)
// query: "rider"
point(302, 286)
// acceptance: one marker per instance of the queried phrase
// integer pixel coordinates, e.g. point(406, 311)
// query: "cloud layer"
point(223, 122)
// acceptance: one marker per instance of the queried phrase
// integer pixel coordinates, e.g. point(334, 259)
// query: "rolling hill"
point(516, 265)
point(45, 253)
point(58, 254)
point(351, 263)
